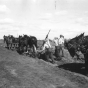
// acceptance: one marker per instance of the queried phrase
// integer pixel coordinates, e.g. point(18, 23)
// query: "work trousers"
point(49, 55)
point(59, 51)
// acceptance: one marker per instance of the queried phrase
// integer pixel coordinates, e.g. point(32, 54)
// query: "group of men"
point(47, 48)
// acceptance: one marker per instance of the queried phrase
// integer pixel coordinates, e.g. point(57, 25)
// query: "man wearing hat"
point(61, 44)
point(57, 50)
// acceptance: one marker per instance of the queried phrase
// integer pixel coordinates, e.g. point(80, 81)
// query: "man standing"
point(61, 44)
point(56, 41)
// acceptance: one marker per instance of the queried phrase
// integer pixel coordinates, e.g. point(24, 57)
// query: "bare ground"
point(17, 71)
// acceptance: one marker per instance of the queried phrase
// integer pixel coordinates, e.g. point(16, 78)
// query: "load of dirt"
point(17, 71)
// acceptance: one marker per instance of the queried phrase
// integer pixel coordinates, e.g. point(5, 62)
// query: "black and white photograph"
point(43, 43)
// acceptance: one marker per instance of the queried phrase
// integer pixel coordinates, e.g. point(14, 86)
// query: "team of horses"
point(24, 42)
point(78, 43)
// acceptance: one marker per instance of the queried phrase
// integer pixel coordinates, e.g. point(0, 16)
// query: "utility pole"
point(55, 4)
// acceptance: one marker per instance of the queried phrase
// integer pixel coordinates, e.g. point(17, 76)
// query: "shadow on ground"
point(74, 67)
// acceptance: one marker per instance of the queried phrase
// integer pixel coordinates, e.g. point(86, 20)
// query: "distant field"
point(1, 41)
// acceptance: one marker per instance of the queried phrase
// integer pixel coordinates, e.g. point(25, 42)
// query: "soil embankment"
point(17, 71)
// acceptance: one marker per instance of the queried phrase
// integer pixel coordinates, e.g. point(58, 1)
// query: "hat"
point(55, 38)
point(61, 36)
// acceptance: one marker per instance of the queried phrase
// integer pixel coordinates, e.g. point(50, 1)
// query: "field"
point(18, 71)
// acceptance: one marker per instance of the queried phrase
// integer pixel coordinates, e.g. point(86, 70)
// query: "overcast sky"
point(36, 17)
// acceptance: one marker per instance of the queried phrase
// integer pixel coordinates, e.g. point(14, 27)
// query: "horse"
point(26, 41)
point(74, 44)
point(7, 40)
point(81, 42)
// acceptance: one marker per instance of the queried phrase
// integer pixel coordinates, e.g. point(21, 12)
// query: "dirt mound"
point(18, 71)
